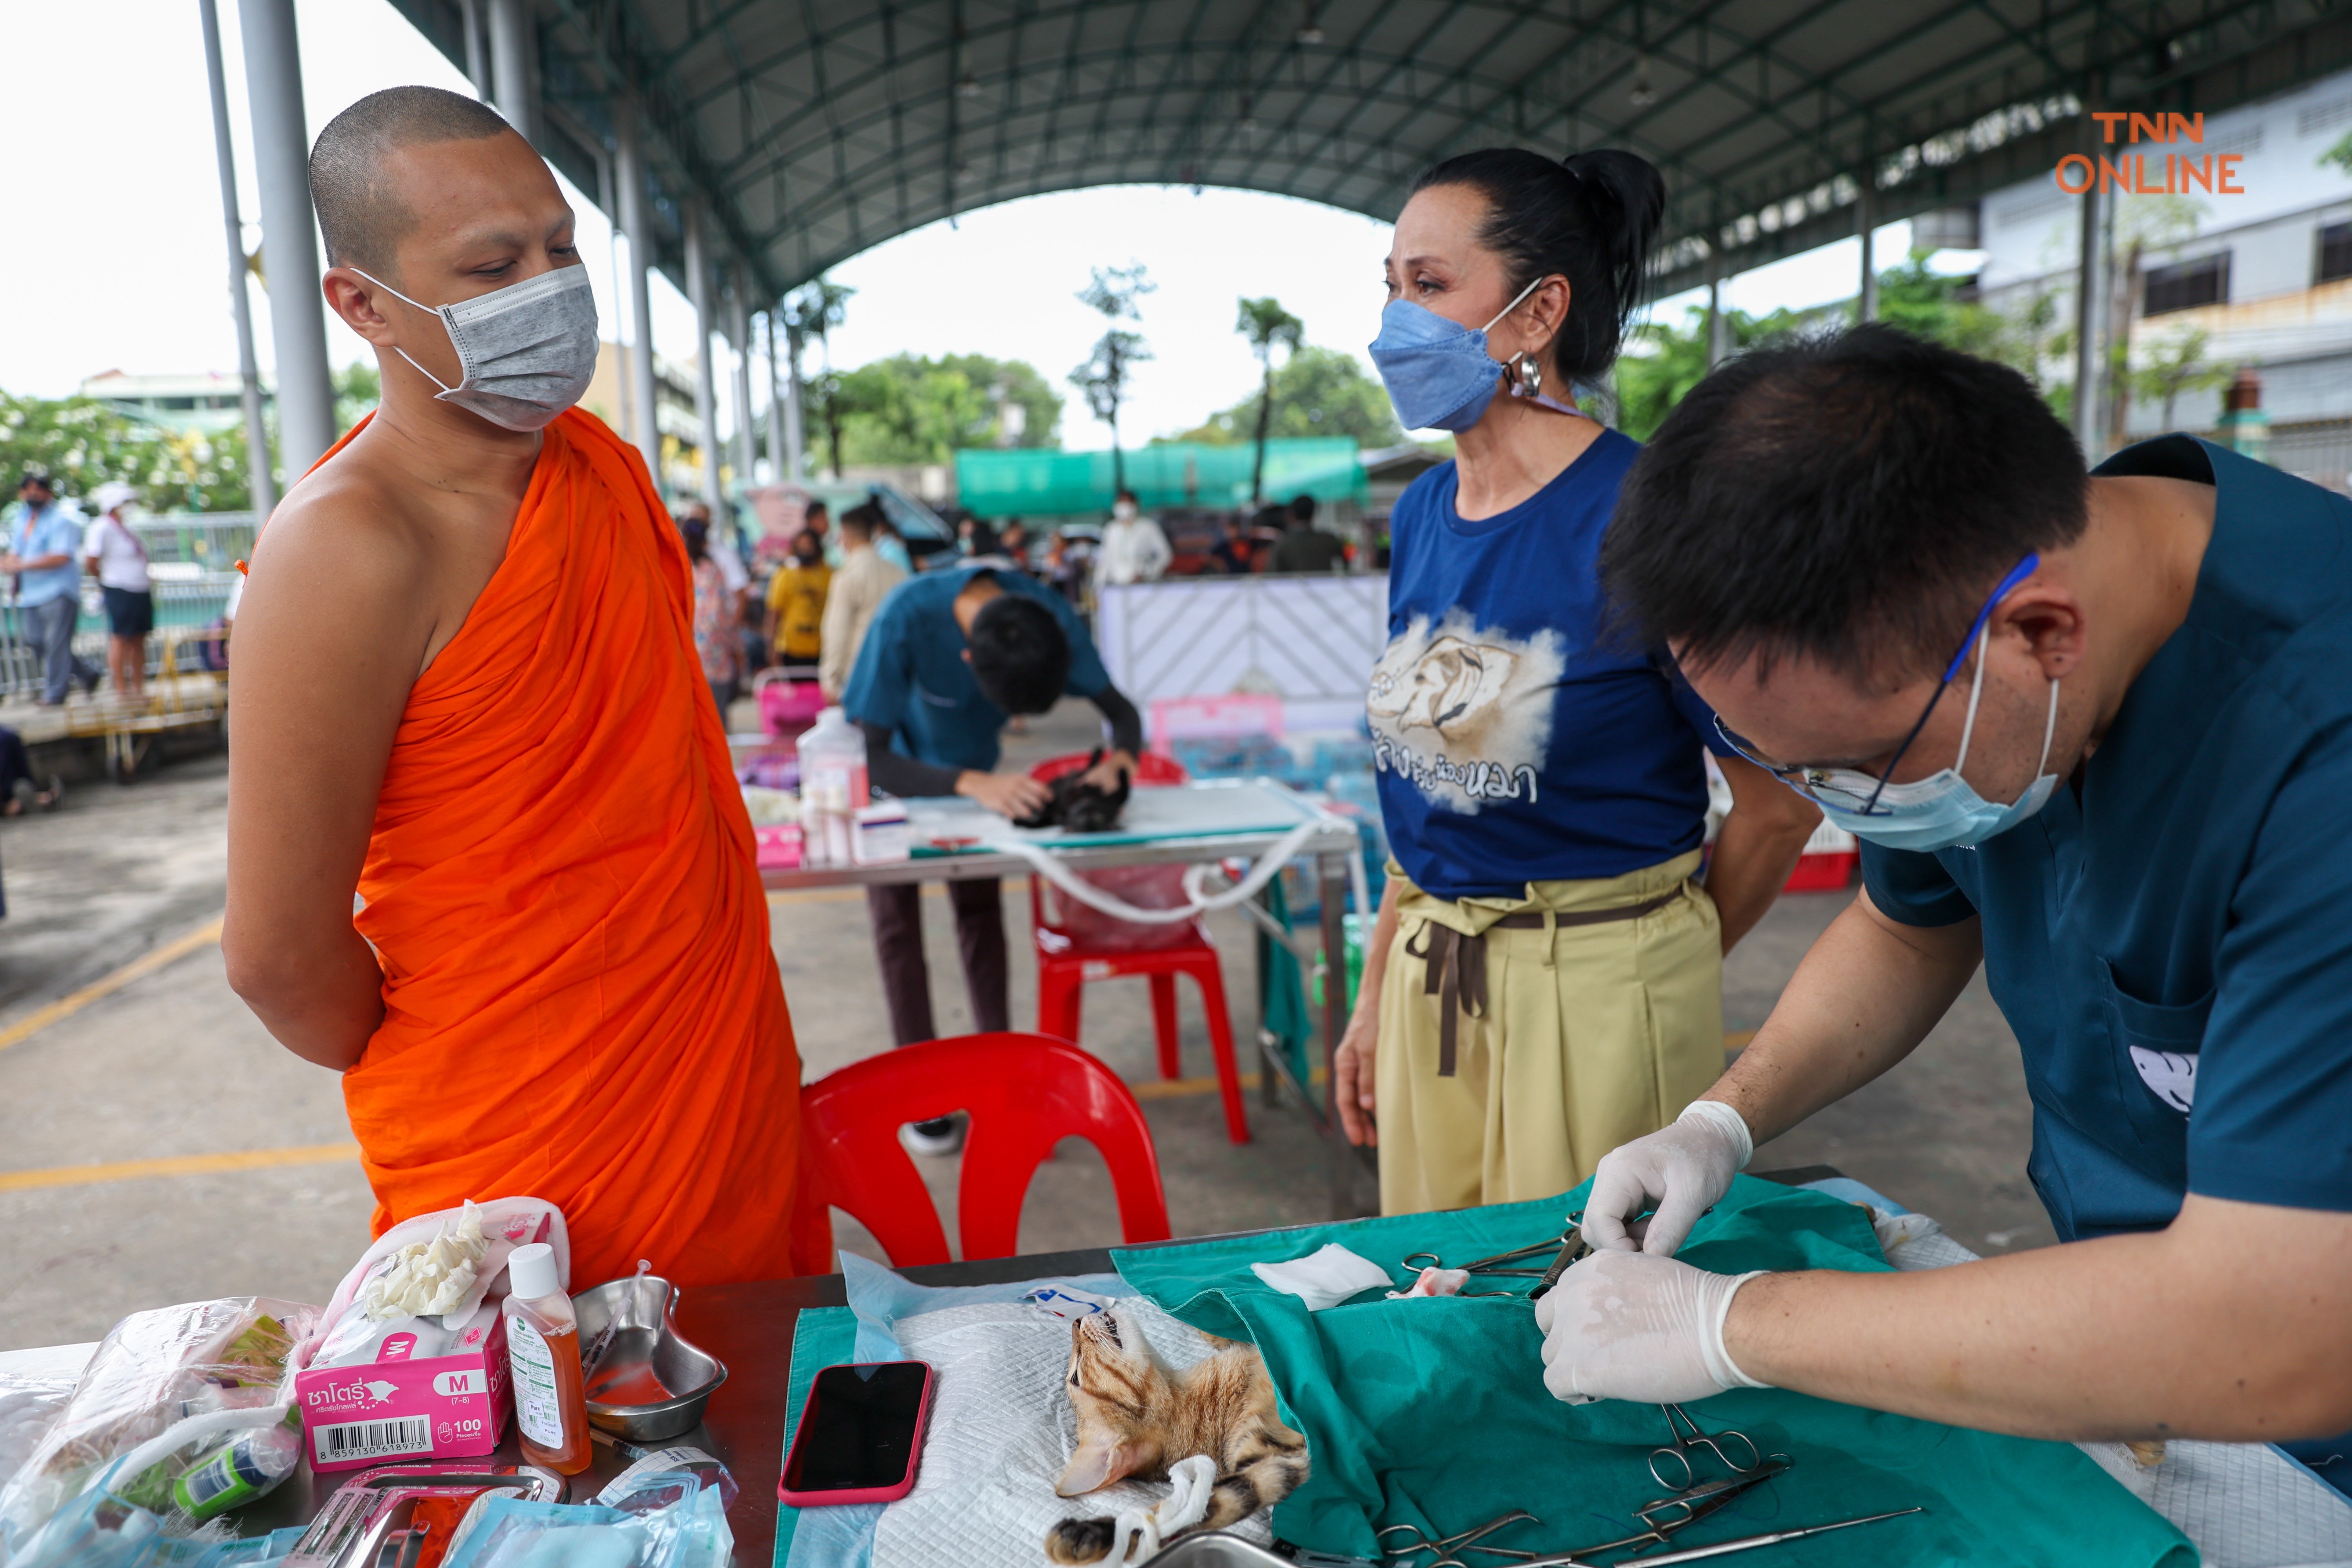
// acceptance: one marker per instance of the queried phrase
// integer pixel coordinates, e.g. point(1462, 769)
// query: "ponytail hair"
point(1589, 217)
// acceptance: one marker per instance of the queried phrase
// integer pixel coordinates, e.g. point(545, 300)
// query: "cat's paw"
point(1079, 1540)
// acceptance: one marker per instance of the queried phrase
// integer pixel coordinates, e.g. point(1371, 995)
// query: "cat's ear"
point(1098, 1462)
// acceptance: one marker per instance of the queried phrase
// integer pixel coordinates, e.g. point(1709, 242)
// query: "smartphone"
point(861, 1435)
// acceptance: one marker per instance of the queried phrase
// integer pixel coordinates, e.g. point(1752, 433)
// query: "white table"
point(1205, 821)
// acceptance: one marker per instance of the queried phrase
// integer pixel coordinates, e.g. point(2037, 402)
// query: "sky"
point(120, 261)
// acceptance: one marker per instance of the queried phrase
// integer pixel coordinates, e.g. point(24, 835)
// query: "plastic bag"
point(506, 1223)
point(152, 1371)
point(29, 1407)
point(511, 1533)
point(1145, 887)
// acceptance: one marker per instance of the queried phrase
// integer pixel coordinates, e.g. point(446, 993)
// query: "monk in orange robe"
point(466, 689)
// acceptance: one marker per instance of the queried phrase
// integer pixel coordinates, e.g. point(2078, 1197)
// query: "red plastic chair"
point(1066, 961)
point(1024, 1094)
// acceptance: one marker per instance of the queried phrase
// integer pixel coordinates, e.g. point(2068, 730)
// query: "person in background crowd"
point(796, 600)
point(817, 517)
point(974, 538)
point(714, 619)
point(1545, 980)
point(19, 793)
point(951, 656)
point(114, 554)
point(1013, 542)
point(861, 585)
point(888, 543)
point(1235, 552)
point(42, 548)
point(1133, 548)
point(1061, 566)
point(1304, 547)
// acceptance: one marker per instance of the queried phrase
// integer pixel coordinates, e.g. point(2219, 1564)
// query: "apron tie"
point(1455, 963)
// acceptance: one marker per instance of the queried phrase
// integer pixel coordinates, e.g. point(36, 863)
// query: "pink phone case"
point(890, 1493)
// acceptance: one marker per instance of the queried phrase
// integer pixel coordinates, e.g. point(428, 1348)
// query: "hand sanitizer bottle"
point(543, 1353)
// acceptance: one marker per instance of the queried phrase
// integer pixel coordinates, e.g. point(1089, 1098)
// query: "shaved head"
point(360, 211)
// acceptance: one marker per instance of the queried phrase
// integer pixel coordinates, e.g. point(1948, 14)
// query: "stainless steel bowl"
point(643, 1339)
point(1215, 1549)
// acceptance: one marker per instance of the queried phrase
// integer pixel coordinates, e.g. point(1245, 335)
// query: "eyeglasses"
point(1822, 784)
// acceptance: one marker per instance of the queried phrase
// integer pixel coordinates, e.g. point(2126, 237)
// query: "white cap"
point(112, 494)
point(530, 1272)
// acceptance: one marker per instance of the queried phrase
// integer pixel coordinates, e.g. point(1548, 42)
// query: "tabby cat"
point(1135, 1420)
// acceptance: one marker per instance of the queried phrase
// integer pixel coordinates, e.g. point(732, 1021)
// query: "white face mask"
point(527, 349)
point(1123, 511)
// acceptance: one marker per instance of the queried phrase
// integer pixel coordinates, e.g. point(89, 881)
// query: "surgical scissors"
point(1446, 1547)
point(1678, 1454)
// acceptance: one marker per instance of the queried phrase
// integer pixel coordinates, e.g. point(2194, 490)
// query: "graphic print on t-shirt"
point(1465, 712)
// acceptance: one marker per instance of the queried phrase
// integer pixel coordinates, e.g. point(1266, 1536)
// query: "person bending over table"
point(2095, 736)
point(465, 687)
point(948, 658)
point(1545, 977)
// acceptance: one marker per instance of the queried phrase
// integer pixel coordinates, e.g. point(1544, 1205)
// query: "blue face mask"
point(1941, 811)
point(1439, 373)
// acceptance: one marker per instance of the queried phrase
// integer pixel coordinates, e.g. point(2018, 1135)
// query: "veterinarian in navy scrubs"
point(1545, 980)
point(2097, 734)
point(951, 656)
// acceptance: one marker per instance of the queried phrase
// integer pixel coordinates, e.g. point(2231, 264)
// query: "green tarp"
point(1027, 482)
point(1434, 1413)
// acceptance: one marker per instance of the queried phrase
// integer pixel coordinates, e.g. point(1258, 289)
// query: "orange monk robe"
point(579, 1003)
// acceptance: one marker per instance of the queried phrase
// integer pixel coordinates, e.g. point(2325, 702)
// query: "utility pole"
point(259, 479)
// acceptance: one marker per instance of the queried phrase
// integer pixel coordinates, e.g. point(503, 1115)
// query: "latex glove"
point(1632, 1325)
point(1684, 1168)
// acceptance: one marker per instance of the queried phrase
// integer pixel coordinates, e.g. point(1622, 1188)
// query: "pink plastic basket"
point(788, 706)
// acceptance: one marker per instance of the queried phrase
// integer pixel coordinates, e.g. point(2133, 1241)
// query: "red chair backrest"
point(1024, 1094)
point(1150, 768)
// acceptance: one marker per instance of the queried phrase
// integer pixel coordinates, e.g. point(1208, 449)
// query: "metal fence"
point(2319, 450)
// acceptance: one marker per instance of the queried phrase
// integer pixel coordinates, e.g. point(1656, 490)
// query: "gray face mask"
point(528, 350)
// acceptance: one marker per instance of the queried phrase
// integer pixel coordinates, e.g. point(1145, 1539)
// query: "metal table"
point(1328, 851)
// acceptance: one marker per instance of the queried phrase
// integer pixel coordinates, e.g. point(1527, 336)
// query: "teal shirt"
point(911, 674)
point(2173, 949)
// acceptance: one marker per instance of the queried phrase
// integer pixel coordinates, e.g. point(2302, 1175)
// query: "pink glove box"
point(449, 1407)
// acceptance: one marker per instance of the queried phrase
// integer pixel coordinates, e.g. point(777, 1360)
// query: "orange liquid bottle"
point(543, 1355)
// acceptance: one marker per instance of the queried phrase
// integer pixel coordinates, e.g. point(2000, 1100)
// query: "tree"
point(910, 410)
point(358, 389)
point(2142, 224)
point(83, 442)
point(812, 310)
point(2174, 365)
point(1104, 377)
point(1267, 326)
point(1318, 392)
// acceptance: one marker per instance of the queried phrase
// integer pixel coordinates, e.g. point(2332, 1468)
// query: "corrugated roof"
point(815, 130)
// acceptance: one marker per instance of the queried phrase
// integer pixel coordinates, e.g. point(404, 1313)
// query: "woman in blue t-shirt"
point(1545, 980)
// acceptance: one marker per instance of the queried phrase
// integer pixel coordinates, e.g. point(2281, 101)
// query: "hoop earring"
point(1526, 374)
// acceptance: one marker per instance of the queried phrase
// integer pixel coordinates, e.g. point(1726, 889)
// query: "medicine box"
point(450, 1406)
point(880, 833)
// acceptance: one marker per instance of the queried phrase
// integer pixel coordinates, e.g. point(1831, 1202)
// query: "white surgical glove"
point(1631, 1325)
point(1684, 1168)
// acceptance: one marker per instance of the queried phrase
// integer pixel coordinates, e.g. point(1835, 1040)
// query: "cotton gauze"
point(1326, 1278)
point(427, 1279)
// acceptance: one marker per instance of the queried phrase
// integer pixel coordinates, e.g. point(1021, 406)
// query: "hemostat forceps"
point(1681, 1511)
point(1676, 1458)
point(1415, 1262)
point(1413, 1539)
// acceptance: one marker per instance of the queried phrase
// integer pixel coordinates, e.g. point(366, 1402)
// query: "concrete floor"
point(172, 1065)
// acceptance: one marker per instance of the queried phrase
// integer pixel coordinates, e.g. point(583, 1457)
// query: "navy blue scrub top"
point(2173, 950)
point(912, 676)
